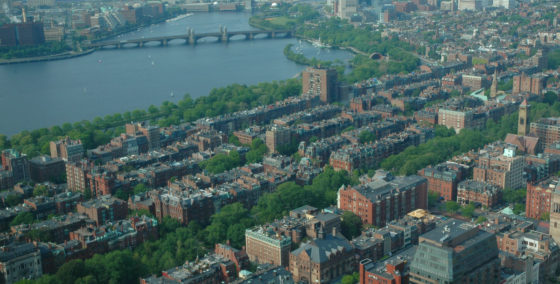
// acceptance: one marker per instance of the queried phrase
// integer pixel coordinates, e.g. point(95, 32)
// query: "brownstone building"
point(443, 179)
point(485, 194)
point(385, 198)
point(323, 259)
point(238, 257)
point(104, 209)
point(182, 208)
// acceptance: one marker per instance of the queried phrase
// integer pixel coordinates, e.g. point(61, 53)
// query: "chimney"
point(23, 15)
point(334, 231)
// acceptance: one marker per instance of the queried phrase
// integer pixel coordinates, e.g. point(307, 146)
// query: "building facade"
point(263, 245)
point(384, 199)
point(456, 252)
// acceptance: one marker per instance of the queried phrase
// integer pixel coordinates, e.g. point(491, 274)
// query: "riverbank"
point(61, 56)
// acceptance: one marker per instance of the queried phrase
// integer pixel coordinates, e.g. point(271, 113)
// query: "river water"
point(43, 94)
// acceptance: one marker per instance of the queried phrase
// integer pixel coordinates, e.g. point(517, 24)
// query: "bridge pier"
point(249, 36)
point(164, 42)
point(119, 46)
point(192, 38)
point(140, 44)
point(225, 35)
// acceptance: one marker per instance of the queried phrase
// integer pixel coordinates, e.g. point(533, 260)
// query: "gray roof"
point(321, 249)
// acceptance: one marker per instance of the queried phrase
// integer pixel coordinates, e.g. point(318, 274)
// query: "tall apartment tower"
point(321, 82)
point(494, 87)
point(523, 123)
point(276, 137)
point(555, 215)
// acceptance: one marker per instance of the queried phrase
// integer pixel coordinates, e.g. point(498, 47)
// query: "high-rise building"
point(321, 82)
point(539, 198)
point(277, 137)
point(345, 9)
point(21, 34)
point(143, 128)
point(555, 216)
point(67, 149)
point(456, 252)
point(494, 87)
point(533, 84)
point(472, 5)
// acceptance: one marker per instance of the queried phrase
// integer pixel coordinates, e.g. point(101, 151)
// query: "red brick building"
point(539, 197)
point(384, 199)
point(238, 257)
point(322, 260)
point(485, 194)
point(391, 271)
point(443, 179)
point(104, 209)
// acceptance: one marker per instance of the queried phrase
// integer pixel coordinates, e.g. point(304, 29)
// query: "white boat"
point(318, 43)
point(179, 17)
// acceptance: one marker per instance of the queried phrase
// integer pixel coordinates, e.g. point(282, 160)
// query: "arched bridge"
point(192, 38)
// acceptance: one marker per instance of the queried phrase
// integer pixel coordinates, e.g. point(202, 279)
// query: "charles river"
point(43, 94)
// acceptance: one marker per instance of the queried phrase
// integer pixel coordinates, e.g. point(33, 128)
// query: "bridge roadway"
point(192, 38)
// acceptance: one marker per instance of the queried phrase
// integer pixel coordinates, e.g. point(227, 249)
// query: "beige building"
point(18, 262)
point(263, 245)
point(504, 170)
point(277, 137)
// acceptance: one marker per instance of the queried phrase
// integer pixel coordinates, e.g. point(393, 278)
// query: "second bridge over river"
point(192, 38)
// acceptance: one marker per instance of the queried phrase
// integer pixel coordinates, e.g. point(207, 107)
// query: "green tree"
point(366, 137)
point(468, 210)
point(140, 188)
point(480, 219)
point(13, 200)
point(351, 225)
point(451, 206)
point(433, 198)
point(22, 218)
point(40, 190)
